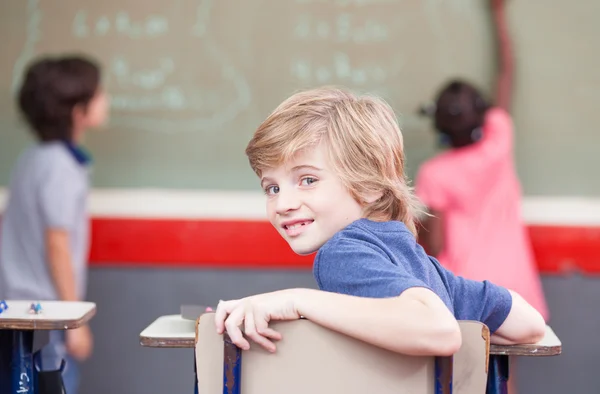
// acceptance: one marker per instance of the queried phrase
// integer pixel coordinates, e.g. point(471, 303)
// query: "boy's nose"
point(287, 201)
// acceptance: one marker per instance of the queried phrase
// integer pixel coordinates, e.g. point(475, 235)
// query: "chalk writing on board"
point(119, 24)
point(33, 33)
point(155, 87)
point(341, 33)
point(338, 69)
point(344, 28)
point(147, 78)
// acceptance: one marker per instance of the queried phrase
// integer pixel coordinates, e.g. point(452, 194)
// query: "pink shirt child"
point(477, 189)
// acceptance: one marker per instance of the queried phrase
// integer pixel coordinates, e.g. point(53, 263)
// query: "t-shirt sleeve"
point(59, 196)
point(479, 300)
point(359, 268)
point(430, 189)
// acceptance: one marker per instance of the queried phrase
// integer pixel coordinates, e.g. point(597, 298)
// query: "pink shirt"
point(477, 190)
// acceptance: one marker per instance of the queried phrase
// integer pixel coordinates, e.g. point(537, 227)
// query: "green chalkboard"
point(191, 80)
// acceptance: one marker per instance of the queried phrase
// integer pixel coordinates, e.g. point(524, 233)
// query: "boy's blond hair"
point(363, 141)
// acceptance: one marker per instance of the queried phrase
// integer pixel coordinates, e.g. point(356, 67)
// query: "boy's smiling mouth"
point(296, 227)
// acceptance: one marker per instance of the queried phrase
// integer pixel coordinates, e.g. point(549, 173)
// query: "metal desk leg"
point(195, 376)
point(232, 368)
point(497, 375)
point(5, 361)
point(23, 377)
point(443, 375)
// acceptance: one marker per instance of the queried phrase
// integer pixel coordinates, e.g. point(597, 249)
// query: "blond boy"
point(331, 164)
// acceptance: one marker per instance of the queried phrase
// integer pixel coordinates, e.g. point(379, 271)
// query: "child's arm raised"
point(416, 323)
point(505, 76)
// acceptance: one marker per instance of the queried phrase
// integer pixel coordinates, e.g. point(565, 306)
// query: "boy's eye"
point(272, 189)
point(307, 181)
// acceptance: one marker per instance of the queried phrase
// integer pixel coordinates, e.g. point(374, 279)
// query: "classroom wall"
point(191, 82)
point(155, 141)
point(130, 299)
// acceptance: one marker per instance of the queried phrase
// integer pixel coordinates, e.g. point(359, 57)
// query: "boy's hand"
point(79, 343)
point(255, 313)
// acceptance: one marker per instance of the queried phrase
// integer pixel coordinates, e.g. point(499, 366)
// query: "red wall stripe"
point(256, 245)
point(566, 249)
point(201, 243)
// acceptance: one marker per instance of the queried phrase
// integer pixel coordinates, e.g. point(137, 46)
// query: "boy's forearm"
point(523, 325)
point(60, 265)
point(499, 340)
point(402, 324)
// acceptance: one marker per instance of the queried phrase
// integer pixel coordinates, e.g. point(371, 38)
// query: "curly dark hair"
point(460, 108)
point(51, 89)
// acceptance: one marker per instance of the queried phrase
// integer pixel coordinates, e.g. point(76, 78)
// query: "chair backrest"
point(471, 360)
point(314, 359)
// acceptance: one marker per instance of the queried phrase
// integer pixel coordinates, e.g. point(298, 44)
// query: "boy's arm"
point(367, 296)
point(79, 342)
point(510, 318)
point(59, 195)
point(415, 323)
point(524, 324)
point(58, 201)
point(60, 264)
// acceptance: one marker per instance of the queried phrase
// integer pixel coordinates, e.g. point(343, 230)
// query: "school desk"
point(500, 355)
point(173, 331)
point(19, 327)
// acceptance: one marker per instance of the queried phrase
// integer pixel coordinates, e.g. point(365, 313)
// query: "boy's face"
point(97, 111)
point(307, 202)
point(94, 114)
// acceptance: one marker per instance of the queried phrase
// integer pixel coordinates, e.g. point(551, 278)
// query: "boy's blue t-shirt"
point(382, 259)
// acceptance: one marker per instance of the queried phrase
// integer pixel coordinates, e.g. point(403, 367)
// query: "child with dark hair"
point(45, 230)
point(460, 114)
point(472, 191)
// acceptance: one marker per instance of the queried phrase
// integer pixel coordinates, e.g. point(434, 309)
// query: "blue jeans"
point(51, 357)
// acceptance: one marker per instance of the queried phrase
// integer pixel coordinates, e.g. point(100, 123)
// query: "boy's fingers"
point(221, 314)
point(252, 333)
point(262, 326)
point(232, 324)
point(270, 333)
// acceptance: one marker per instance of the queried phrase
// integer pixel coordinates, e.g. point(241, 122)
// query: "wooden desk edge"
point(525, 350)
point(162, 342)
point(33, 325)
point(549, 346)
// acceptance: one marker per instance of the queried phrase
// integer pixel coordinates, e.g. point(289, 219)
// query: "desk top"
point(550, 345)
point(173, 331)
point(56, 315)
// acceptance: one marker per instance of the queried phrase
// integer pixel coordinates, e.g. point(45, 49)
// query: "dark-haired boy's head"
point(62, 96)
